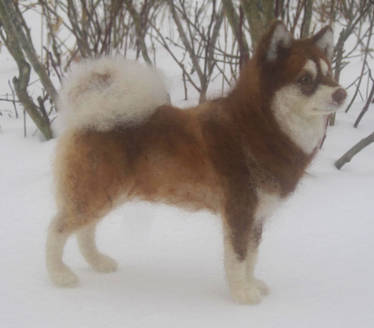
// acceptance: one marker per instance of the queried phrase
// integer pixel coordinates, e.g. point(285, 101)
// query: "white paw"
point(64, 277)
point(262, 286)
point(252, 293)
point(104, 264)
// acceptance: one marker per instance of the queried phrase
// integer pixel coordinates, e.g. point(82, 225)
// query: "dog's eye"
point(305, 79)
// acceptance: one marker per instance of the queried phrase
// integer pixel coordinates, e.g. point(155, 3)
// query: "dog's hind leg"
point(58, 271)
point(87, 245)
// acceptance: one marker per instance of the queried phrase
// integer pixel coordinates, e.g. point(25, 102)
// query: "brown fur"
point(213, 156)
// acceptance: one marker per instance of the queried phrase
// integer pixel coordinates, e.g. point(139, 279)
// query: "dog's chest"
point(307, 133)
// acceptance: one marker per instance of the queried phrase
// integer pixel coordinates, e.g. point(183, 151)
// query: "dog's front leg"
point(240, 263)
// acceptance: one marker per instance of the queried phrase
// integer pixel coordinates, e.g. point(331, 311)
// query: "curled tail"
point(102, 93)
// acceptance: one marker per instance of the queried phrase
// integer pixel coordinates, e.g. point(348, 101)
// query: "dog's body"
point(237, 156)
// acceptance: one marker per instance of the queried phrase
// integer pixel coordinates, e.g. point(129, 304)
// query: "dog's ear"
point(325, 41)
point(277, 40)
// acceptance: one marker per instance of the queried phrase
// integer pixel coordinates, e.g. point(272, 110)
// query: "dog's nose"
point(339, 96)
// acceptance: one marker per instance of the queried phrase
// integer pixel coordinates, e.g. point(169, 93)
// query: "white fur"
point(59, 273)
point(87, 245)
point(280, 37)
point(324, 67)
point(326, 43)
point(303, 117)
point(311, 67)
point(100, 93)
point(266, 205)
point(244, 287)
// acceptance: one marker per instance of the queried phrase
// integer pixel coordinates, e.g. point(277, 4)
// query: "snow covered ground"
point(316, 255)
point(317, 252)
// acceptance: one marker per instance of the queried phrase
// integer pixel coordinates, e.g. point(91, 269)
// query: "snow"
point(316, 253)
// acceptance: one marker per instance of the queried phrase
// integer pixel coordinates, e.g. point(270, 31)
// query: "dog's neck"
point(281, 159)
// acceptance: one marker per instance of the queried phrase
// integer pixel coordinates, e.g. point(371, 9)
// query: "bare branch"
point(368, 101)
point(347, 157)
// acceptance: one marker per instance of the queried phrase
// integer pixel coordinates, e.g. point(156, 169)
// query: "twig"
point(369, 100)
point(347, 157)
point(363, 66)
point(10, 100)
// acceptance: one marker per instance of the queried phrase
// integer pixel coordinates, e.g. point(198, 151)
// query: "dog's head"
point(297, 73)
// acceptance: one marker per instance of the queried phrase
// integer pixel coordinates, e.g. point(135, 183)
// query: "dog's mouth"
point(328, 109)
point(324, 111)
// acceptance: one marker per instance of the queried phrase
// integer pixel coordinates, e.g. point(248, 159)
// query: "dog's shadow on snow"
point(143, 282)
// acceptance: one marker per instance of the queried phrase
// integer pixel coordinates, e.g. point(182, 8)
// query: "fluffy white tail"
point(102, 93)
